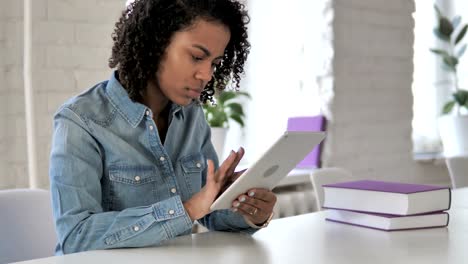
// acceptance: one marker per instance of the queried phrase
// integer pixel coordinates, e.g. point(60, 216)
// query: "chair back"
point(323, 176)
point(458, 170)
point(27, 229)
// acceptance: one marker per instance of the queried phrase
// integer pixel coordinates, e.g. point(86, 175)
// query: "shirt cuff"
point(168, 209)
point(173, 209)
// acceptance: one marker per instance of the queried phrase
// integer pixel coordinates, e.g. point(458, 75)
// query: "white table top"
point(302, 239)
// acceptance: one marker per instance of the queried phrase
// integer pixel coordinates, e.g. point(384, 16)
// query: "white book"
point(386, 197)
point(388, 222)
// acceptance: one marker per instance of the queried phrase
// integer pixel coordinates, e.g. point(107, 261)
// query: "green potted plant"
point(218, 114)
point(453, 124)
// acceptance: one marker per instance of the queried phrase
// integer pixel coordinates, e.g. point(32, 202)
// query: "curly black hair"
point(137, 49)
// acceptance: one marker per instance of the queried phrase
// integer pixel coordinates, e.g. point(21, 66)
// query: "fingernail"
point(234, 209)
point(239, 150)
point(242, 199)
point(236, 204)
point(251, 194)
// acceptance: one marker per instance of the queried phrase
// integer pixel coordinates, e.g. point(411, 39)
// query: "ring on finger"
point(254, 212)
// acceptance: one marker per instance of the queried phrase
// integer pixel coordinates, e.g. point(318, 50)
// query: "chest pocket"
point(132, 186)
point(192, 167)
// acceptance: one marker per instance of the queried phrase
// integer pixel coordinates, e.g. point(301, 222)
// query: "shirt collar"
point(177, 110)
point(132, 111)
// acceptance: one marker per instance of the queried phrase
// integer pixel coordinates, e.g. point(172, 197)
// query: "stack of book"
point(387, 206)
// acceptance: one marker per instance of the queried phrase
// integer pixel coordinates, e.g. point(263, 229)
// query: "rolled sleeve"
point(169, 209)
point(162, 213)
point(172, 209)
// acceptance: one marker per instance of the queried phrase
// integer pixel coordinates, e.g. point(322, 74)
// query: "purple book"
point(388, 222)
point(386, 197)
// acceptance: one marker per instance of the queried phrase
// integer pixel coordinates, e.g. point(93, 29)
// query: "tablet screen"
point(273, 165)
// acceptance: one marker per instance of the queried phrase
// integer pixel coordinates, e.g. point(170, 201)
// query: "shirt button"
point(137, 178)
point(136, 228)
point(147, 112)
point(198, 165)
point(151, 127)
point(162, 158)
point(173, 190)
point(171, 212)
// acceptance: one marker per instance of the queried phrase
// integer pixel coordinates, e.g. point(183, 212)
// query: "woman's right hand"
point(199, 205)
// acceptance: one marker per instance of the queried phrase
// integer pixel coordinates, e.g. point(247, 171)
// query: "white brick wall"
point(71, 46)
point(372, 107)
point(12, 137)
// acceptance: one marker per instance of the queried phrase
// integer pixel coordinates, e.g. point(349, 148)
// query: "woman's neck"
point(155, 100)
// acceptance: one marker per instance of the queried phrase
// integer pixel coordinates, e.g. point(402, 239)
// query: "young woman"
point(132, 163)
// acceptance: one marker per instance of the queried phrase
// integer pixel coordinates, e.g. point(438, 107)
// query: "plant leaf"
point(448, 107)
point(245, 94)
point(448, 68)
point(218, 114)
point(439, 14)
point(440, 52)
point(451, 62)
point(456, 21)
point(226, 95)
point(238, 119)
point(236, 108)
point(461, 34)
point(218, 119)
point(461, 51)
point(445, 27)
point(461, 97)
point(440, 35)
point(215, 115)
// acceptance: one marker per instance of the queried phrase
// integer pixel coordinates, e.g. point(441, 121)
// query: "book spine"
point(450, 199)
point(389, 230)
point(369, 212)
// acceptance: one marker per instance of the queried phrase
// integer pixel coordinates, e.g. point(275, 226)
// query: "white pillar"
point(29, 95)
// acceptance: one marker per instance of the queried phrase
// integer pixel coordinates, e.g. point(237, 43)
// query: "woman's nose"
point(205, 74)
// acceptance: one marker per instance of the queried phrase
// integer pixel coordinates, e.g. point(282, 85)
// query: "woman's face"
point(190, 60)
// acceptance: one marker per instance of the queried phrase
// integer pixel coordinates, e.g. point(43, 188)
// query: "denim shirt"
point(115, 184)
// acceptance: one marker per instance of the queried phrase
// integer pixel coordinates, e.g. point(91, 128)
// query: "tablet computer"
point(290, 149)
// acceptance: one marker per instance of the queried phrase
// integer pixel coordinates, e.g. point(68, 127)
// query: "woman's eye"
point(195, 58)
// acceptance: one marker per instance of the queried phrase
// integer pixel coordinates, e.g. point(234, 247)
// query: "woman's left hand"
point(256, 205)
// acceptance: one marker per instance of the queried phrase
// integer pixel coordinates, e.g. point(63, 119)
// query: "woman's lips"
point(194, 93)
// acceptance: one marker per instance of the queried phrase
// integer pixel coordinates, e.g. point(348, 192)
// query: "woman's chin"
point(184, 101)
